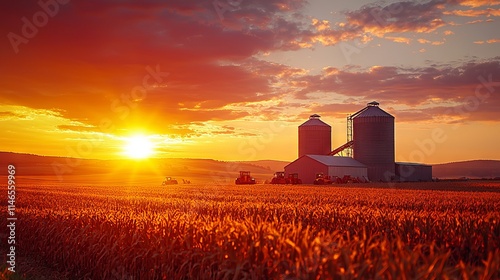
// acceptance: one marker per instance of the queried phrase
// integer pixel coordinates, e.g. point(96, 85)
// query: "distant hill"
point(272, 165)
point(471, 169)
point(56, 170)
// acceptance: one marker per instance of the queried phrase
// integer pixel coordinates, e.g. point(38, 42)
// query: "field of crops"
point(404, 231)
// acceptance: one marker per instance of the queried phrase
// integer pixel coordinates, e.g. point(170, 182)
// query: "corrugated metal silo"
point(315, 137)
point(373, 135)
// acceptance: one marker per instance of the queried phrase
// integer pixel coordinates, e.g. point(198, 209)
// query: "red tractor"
point(293, 179)
point(322, 179)
point(169, 181)
point(279, 178)
point(245, 179)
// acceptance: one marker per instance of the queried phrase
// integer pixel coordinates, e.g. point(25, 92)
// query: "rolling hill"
point(473, 169)
point(60, 170)
point(35, 169)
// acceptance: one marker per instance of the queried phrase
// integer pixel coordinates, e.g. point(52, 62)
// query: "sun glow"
point(138, 146)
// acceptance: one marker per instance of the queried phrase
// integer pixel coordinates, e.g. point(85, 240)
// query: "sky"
point(232, 79)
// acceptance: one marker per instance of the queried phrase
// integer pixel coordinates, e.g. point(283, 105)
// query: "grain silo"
point(315, 137)
point(373, 136)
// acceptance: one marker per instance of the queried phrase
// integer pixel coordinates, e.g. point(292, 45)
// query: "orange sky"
point(233, 82)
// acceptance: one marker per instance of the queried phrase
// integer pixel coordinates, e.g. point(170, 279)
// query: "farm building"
point(413, 172)
point(370, 150)
point(308, 165)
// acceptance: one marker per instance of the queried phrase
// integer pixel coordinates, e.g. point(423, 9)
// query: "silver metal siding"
point(374, 145)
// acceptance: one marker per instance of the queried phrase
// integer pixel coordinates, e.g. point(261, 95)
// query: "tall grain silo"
point(315, 137)
point(373, 135)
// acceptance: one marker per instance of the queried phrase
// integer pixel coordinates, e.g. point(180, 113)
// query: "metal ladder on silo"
point(349, 135)
point(349, 129)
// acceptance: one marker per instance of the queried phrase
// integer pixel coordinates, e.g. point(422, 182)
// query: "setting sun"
point(138, 146)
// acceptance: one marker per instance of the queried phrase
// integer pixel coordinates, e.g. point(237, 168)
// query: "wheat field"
point(372, 231)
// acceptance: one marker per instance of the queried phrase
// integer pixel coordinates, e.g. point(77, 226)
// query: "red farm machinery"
point(280, 178)
point(169, 181)
point(245, 179)
point(322, 179)
point(293, 178)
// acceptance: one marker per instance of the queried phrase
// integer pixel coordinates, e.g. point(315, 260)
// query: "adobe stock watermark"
point(382, 16)
point(249, 149)
point(428, 146)
point(122, 107)
point(30, 27)
point(11, 218)
point(223, 6)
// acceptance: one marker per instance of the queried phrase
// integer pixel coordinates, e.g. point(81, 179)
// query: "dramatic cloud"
point(384, 20)
point(167, 65)
point(152, 62)
point(446, 90)
point(398, 17)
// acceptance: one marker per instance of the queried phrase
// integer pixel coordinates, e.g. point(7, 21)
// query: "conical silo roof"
point(314, 121)
point(372, 110)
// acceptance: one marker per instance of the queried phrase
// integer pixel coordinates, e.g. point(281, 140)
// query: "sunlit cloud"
point(399, 39)
point(474, 13)
point(490, 41)
point(478, 3)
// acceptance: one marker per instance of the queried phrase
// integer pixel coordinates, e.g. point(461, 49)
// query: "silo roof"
point(315, 122)
point(336, 161)
point(372, 111)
